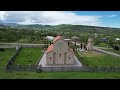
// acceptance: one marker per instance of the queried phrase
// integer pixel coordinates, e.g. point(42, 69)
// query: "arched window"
point(50, 58)
point(69, 58)
point(65, 57)
point(60, 55)
point(54, 57)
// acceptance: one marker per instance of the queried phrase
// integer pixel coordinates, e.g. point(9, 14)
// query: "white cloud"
point(2, 15)
point(48, 17)
point(112, 15)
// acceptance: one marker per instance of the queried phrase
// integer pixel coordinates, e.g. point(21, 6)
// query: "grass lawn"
point(112, 50)
point(103, 45)
point(28, 56)
point(5, 56)
point(60, 75)
point(97, 59)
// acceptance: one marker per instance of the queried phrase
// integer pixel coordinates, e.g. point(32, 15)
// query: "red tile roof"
point(56, 38)
point(50, 48)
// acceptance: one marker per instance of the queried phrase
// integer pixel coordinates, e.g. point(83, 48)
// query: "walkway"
point(103, 51)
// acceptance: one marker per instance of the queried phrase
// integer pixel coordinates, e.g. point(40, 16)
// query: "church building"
point(59, 53)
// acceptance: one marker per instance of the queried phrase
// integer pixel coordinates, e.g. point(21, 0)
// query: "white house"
point(50, 38)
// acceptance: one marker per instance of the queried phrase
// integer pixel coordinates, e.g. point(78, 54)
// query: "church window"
point(60, 55)
point(69, 57)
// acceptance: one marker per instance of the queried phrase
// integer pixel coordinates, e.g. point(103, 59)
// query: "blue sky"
point(108, 18)
point(92, 18)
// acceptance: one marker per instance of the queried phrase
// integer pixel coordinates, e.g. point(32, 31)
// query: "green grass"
point(5, 56)
point(112, 50)
point(102, 45)
point(28, 56)
point(98, 59)
point(60, 75)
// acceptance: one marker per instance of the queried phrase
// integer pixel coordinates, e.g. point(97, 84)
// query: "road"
point(111, 53)
point(12, 45)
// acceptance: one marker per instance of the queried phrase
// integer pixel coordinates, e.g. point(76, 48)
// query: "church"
point(59, 53)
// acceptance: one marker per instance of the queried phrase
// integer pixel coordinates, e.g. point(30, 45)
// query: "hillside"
point(64, 27)
point(68, 27)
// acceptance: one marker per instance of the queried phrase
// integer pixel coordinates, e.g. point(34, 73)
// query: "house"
point(59, 53)
point(50, 38)
point(68, 40)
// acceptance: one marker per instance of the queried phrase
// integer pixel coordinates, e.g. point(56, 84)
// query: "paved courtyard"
point(43, 62)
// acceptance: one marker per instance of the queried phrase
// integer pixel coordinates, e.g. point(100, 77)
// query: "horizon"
point(108, 19)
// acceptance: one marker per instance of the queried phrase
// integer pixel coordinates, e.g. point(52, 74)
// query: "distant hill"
point(62, 27)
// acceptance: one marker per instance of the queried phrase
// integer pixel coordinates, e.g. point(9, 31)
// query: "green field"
point(60, 75)
point(112, 50)
point(97, 59)
point(5, 56)
point(28, 56)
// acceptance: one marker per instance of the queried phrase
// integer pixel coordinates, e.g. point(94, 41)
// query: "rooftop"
point(56, 38)
point(50, 48)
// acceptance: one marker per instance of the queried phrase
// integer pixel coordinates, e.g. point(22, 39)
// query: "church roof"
point(56, 38)
point(50, 48)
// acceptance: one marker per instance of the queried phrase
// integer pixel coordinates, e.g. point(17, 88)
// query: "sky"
point(92, 18)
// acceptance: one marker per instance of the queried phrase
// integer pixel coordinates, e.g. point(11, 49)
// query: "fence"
point(83, 68)
point(10, 62)
point(32, 46)
point(21, 67)
point(39, 68)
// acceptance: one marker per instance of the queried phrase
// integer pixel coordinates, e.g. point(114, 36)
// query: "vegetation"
point(59, 75)
point(36, 33)
point(28, 56)
point(112, 50)
point(98, 59)
point(5, 56)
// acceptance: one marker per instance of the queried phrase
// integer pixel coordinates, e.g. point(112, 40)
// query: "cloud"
point(48, 18)
point(112, 15)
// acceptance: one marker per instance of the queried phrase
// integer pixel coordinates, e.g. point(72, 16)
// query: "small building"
point(50, 38)
point(90, 44)
point(68, 40)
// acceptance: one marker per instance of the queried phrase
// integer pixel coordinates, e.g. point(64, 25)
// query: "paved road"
point(111, 53)
point(102, 47)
